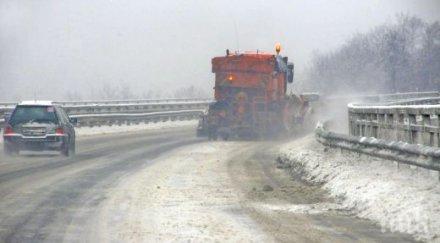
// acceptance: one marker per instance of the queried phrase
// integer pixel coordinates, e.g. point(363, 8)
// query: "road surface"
point(168, 185)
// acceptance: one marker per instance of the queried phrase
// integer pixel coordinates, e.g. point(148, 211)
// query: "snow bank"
point(404, 200)
point(88, 131)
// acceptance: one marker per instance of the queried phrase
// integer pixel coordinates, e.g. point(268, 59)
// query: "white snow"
point(195, 102)
point(36, 102)
point(317, 208)
point(88, 131)
point(185, 196)
point(373, 106)
point(404, 200)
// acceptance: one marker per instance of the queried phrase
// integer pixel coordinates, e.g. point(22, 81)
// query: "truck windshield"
point(30, 114)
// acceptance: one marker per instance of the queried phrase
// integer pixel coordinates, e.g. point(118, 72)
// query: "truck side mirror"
point(290, 72)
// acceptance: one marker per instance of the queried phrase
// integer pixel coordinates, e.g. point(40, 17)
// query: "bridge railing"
point(408, 121)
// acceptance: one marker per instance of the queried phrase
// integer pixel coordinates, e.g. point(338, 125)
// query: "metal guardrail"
point(133, 108)
point(91, 120)
point(133, 101)
point(411, 154)
point(103, 107)
point(93, 107)
point(92, 113)
point(113, 102)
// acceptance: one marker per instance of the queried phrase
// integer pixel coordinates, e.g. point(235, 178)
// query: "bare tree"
point(404, 56)
point(190, 92)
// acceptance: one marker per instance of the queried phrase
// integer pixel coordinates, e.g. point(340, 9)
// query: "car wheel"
point(65, 149)
point(72, 148)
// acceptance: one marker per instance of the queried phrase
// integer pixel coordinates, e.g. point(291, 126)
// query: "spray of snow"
point(403, 200)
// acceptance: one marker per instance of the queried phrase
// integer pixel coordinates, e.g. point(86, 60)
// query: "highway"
point(167, 185)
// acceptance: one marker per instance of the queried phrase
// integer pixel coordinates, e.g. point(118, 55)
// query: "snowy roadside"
point(186, 196)
point(400, 200)
point(90, 131)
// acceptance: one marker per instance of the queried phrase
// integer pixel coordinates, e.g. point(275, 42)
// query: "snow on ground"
point(185, 196)
point(404, 200)
point(87, 131)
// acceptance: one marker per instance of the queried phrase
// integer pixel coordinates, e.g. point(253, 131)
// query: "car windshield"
point(29, 114)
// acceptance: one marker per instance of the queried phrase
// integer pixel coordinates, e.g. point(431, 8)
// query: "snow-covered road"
point(167, 185)
point(187, 197)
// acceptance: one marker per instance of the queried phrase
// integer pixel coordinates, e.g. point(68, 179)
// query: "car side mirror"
point(7, 116)
point(73, 120)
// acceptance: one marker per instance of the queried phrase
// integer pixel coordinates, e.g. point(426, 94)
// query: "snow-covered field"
point(399, 199)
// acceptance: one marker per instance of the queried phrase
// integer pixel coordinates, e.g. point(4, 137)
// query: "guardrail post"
point(417, 132)
point(434, 122)
point(406, 134)
point(396, 125)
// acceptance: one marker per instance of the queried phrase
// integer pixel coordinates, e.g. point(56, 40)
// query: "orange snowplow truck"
point(250, 96)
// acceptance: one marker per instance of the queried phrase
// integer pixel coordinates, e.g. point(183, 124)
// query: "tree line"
point(402, 56)
point(124, 91)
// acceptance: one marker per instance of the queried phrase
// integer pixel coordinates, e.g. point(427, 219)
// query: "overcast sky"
point(50, 46)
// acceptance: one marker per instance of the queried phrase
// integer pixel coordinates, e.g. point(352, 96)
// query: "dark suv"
point(38, 126)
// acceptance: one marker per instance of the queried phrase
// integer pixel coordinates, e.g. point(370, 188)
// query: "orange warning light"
point(278, 48)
